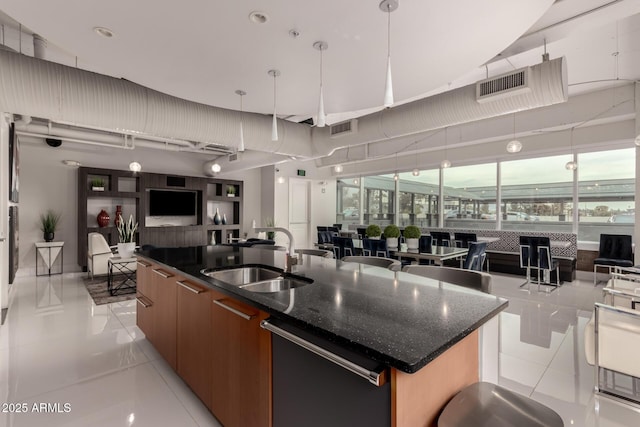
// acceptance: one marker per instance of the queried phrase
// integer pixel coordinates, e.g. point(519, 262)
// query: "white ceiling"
point(204, 50)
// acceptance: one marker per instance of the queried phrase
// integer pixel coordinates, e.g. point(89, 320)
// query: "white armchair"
point(98, 254)
point(612, 342)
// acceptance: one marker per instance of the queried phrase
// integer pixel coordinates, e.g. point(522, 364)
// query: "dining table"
point(437, 254)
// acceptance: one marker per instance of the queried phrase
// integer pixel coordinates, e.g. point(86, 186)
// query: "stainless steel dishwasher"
point(318, 383)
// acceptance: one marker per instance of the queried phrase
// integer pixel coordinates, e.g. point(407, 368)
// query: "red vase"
point(103, 218)
point(118, 217)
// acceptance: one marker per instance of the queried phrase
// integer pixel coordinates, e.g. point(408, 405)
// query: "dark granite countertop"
point(398, 319)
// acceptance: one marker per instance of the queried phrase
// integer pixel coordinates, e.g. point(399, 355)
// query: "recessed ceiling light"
point(71, 162)
point(293, 33)
point(104, 32)
point(258, 17)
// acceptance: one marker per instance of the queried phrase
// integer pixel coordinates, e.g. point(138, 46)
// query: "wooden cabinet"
point(194, 337)
point(164, 314)
point(145, 296)
point(241, 364)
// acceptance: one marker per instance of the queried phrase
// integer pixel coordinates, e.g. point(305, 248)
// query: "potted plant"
point(126, 237)
point(391, 233)
point(231, 191)
point(270, 222)
point(48, 224)
point(373, 231)
point(412, 236)
point(97, 184)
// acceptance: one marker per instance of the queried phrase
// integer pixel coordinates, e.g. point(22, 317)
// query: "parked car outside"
point(521, 216)
point(350, 213)
point(626, 218)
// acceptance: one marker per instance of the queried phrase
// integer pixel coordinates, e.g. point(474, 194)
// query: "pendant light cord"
point(274, 94)
point(389, 31)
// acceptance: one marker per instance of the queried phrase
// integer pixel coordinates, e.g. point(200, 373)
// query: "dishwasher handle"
point(376, 378)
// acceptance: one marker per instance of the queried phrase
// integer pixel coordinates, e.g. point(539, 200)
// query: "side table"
point(125, 267)
point(49, 253)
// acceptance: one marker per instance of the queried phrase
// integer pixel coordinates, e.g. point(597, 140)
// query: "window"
point(419, 195)
point(470, 196)
point(379, 196)
point(537, 194)
point(348, 202)
point(606, 193)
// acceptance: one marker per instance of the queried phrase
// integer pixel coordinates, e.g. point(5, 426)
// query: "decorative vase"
point(125, 250)
point(103, 218)
point(48, 237)
point(216, 217)
point(224, 219)
point(392, 242)
point(213, 237)
point(118, 217)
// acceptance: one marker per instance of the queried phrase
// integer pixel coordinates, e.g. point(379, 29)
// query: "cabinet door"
point(145, 316)
point(164, 337)
point(144, 278)
point(241, 356)
point(194, 337)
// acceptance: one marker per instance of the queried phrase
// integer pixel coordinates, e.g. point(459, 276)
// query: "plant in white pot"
point(126, 237)
point(412, 236)
point(373, 231)
point(391, 233)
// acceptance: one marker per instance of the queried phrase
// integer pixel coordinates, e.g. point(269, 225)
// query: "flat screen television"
point(172, 203)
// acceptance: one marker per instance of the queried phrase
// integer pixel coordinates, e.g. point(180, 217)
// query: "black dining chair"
point(535, 254)
point(441, 238)
point(464, 240)
point(343, 246)
point(616, 250)
point(375, 247)
point(424, 245)
point(476, 256)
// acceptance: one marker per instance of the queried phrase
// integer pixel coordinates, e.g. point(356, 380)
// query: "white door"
point(299, 211)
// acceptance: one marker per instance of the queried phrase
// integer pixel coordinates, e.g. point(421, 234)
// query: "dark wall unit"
point(162, 227)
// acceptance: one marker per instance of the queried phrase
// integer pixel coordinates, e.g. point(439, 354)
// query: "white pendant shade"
point(338, 168)
point(388, 87)
point(416, 172)
point(241, 143)
point(274, 128)
point(321, 116)
point(135, 167)
point(571, 166)
point(445, 164)
point(514, 146)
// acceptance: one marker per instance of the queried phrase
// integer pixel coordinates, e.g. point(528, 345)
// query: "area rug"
point(97, 288)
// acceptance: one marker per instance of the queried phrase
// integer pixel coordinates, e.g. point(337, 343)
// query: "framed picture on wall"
point(14, 164)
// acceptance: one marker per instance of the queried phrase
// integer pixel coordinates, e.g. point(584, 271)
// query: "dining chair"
point(535, 254)
point(475, 257)
point(615, 250)
point(375, 247)
point(441, 238)
point(464, 240)
point(342, 246)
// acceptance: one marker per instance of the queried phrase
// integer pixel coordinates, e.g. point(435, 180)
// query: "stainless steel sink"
point(257, 279)
point(241, 276)
point(275, 285)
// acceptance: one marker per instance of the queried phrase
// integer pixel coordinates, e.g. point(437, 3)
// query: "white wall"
point(4, 212)
point(46, 183)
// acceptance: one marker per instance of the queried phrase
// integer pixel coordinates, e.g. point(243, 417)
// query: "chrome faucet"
point(291, 258)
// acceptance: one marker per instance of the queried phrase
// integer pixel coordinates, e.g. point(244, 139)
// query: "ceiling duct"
point(344, 128)
point(503, 86)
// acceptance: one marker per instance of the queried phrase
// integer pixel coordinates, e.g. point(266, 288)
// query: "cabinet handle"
point(162, 273)
point(375, 378)
point(142, 302)
point(189, 287)
point(233, 310)
point(143, 263)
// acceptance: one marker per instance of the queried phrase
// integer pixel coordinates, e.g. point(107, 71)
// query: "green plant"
point(231, 189)
point(127, 230)
point(97, 182)
point(411, 232)
point(270, 222)
point(49, 221)
point(391, 231)
point(373, 230)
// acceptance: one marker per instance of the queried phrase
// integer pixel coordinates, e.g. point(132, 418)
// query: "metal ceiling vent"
point(503, 86)
point(344, 128)
point(234, 157)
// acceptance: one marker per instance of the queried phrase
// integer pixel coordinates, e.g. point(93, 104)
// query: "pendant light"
point(241, 143)
point(274, 125)
point(320, 45)
point(514, 146)
point(388, 6)
point(445, 163)
point(571, 165)
point(135, 167)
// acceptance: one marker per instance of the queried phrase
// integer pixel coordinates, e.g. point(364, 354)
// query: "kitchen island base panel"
point(418, 399)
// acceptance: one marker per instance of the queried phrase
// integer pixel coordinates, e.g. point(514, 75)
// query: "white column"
point(636, 230)
point(498, 195)
point(4, 212)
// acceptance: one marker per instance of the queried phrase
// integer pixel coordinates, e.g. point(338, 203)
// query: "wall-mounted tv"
point(172, 203)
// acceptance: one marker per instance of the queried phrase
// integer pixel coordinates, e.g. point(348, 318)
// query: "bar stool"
point(488, 405)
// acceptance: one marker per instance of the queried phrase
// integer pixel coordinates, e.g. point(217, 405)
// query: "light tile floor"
point(57, 347)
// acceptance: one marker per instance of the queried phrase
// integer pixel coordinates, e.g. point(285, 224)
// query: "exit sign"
point(302, 172)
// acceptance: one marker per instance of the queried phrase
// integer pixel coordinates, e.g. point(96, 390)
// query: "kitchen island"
point(418, 336)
